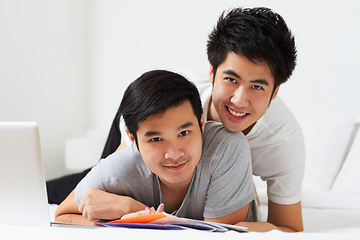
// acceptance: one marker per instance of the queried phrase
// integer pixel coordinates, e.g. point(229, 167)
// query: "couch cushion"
point(347, 181)
point(326, 140)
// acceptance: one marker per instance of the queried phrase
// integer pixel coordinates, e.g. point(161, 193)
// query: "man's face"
point(241, 92)
point(170, 144)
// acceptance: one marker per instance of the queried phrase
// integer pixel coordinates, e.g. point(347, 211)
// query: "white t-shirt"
point(277, 147)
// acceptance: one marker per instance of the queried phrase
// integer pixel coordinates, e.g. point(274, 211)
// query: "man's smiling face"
point(170, 144)
point(242, 91)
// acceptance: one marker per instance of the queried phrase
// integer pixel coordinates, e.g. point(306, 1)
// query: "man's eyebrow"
point(157, 133)
point(185, 125)
point(152, 133)
point(258, 81)
point(261, 81)
point(232, 73)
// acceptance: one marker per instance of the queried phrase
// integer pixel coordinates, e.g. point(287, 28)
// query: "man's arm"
point(68, 212)
point(94, 206)
point(232, 218)
point(287, 218)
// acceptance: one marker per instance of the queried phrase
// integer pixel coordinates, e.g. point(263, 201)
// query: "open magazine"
point(168, 221)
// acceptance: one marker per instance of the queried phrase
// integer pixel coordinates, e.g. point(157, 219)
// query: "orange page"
point(141, 219)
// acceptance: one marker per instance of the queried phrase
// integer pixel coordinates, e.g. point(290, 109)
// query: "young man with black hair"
point(197, 170)
point(252, 52)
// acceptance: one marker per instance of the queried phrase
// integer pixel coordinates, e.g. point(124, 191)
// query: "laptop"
point(23, 197)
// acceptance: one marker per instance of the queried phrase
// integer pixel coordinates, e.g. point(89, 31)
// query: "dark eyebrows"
point(258, 81)
point(156, 133)
point(186, 125)
point(151, 133)
point(232, 73)
point(261, 81)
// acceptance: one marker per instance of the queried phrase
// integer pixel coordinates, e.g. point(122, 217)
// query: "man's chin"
point(234, 127)
point(244, 124)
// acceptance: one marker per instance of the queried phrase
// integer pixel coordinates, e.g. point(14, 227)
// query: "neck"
point(246, 131)
point(212, 113)
point(174, 194)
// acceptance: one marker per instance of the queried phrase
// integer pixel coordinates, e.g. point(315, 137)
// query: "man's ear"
point(131, 136)
point(211, 74)
point(202, 120)
point(275, 92)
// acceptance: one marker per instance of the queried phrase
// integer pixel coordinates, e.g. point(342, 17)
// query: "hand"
point(146, 211)
point(97, 204)
point(258, 226)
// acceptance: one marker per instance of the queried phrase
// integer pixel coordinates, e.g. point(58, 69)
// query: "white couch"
point(331, 190)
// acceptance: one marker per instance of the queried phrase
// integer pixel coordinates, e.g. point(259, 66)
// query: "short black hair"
point(155, 92)
point(258, 34)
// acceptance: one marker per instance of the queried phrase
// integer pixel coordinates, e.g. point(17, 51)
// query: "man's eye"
point(257, 87)
point(157, 139)
point(184, 133)
point(232, 80)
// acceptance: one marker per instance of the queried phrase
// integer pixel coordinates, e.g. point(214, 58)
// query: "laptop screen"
point(23, 199)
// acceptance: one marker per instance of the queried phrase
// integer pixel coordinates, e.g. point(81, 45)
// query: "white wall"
point(42, 71)
point(133, 37)
point(326, 78)
point(67, 63)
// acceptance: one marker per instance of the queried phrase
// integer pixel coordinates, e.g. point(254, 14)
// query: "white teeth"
point(236, 114)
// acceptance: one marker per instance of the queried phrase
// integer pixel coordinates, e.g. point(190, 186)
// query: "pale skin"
point(170, 144)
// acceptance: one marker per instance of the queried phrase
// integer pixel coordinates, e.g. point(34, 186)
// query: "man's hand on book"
point(97, 204)
point(146, 211)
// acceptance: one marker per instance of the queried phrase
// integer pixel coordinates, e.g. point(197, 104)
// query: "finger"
point(129, 215)
point(136, 214)
point(160, 208)
point(87, 213)
point(84, 213)
point(82, 205)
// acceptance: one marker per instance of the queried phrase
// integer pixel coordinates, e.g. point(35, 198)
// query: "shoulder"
point(277, 137)
point(125, 155)
point(121, 164)
point(216, 134)
point(279, 113)
point(278, 125)
point(224, 151)
point(225, 171)
point(114, 173)
point(222, 146)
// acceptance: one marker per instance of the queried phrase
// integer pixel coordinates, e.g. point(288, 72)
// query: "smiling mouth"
point(236, 114)
point(175, 166)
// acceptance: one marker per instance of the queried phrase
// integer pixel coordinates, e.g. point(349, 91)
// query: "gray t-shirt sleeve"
point(231, 186)
point(91, 180)
point(122, 173)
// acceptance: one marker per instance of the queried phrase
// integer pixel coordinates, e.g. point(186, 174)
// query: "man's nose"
point(240, 98)
point(174, 151)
